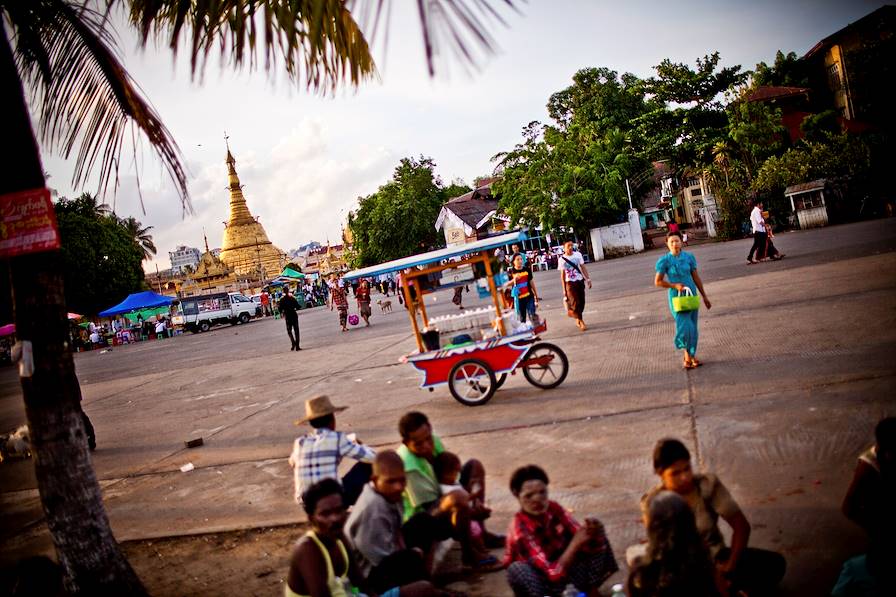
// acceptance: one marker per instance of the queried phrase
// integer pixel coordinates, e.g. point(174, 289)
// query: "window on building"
point(696, 192)
point(808, 200)
point(693, 182)
point(834, 77)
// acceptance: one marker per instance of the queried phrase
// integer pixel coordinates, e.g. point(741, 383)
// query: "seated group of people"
point(406, 503)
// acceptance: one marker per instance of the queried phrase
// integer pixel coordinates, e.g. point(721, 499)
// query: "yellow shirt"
point(338, 585)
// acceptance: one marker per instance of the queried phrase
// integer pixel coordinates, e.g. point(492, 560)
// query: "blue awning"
point(485, 244)
point(139, 300)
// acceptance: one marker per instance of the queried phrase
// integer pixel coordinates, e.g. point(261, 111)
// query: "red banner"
point(27, 223)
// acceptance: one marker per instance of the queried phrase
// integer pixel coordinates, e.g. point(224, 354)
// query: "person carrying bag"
point(573, 277)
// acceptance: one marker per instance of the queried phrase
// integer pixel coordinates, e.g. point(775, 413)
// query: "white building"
point(184, 256)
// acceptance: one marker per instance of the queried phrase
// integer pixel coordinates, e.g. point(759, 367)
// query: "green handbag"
point(685, 302)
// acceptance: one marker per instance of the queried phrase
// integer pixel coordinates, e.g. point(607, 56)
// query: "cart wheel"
point(472, 382)
point(500, 381)
point(549, 374)
point(204, 326)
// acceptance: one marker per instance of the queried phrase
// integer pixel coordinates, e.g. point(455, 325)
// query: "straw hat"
point(319, 406)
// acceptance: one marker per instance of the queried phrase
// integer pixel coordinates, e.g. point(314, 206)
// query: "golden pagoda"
point(246, 247)
point(211, 275)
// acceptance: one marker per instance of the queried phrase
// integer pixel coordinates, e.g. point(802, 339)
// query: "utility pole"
point(629, 191)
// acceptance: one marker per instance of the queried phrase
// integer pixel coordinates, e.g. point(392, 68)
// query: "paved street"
point(798, 368)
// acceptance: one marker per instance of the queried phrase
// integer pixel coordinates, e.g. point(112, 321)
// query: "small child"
point(447, 468)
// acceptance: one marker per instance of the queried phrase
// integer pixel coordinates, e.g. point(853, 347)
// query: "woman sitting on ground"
point(869, 503)
point(755, 571)
point(676, 563)
point(547, 549)
point(319, 565)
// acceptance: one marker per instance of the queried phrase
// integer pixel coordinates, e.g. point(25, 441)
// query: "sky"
point(304, 159)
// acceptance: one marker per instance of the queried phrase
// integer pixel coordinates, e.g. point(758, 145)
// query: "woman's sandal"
point(689, 365)
point(695, 362)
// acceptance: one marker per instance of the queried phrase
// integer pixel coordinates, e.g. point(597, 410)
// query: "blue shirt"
point(678, 269)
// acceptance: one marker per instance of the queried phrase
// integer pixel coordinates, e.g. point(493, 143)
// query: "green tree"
point(140, 235)
point(398, 219)
point(101, 259)
point(688, 117)
point(573, 173)
point(457, 188)
point(786, 71)
point(842, 156)
point(87, 105)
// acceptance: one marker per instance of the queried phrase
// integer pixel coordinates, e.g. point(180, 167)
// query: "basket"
point(685, 302)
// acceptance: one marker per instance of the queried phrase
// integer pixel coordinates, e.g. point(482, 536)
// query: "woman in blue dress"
point(677, 270)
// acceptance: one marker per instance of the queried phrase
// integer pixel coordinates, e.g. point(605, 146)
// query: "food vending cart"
point(472, 351)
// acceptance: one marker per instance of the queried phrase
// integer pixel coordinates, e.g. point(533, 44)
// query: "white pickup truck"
point(202, 312)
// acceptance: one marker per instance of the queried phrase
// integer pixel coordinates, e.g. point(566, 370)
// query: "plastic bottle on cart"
point(571, 591)
point(617, 591)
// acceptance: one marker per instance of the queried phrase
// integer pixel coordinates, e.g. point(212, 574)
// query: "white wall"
point(812, 218)
point(618, 239)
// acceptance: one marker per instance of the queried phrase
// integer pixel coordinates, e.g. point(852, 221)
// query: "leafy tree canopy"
point(841, 156)
point(601, 97)
point(688, 118)
point(573, 173)
point(786, 71)
point(102, 259)
point(398, 220)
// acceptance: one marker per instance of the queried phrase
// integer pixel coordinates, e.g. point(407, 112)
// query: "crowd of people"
point(406, 503)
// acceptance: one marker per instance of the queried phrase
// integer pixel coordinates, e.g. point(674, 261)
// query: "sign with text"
point(27, 223)
point(455, 236)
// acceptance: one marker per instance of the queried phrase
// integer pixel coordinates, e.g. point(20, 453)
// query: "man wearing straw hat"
point(317, 455)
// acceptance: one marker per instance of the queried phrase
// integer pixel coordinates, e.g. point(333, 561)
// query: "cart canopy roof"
point(485, 244)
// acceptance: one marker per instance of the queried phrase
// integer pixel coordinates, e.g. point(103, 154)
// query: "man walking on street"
point(759, 233)
point(289, 309)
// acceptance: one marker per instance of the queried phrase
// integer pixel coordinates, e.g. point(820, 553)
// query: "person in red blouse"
point(547, 549)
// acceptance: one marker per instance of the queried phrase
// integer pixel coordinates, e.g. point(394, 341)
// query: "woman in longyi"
point(677, 271)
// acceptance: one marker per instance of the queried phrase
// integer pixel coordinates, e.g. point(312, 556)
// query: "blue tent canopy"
point(138, 300)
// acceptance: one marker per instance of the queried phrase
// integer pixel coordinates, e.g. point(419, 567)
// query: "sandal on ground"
point(488, 564)
point(695, 362)
point(751, 262)
point(688, 365)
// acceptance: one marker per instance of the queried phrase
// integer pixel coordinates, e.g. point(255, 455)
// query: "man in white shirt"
point(759, 234)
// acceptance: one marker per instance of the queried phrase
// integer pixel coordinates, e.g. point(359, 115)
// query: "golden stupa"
point(246, 247)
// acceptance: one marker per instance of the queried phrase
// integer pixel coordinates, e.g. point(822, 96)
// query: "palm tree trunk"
point(70, 495)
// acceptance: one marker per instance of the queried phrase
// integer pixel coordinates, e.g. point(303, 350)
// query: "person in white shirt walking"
point(759, 234)
point(574, 277)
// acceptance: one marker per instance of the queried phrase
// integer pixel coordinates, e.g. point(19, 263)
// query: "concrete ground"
point(798, 368)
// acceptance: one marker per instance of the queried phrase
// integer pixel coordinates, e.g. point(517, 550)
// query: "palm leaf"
point(458, 27)
point(317, 41)
point(85, 99)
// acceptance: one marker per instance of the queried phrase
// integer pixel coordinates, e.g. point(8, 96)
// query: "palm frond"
point(458, 27)
point(84, 98)
point(317, 41)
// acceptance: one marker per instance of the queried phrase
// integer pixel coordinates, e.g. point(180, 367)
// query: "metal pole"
point(629, 191)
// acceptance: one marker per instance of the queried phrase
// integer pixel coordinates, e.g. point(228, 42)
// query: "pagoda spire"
point(245, 246)
point(239, 211)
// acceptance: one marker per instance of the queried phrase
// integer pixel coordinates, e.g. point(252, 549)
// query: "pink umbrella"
point(74, 315)
point(8, 330)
